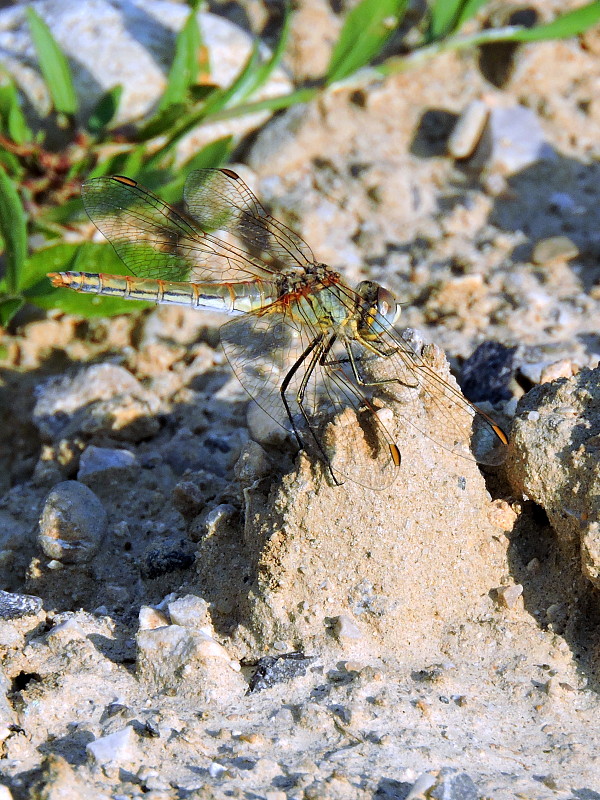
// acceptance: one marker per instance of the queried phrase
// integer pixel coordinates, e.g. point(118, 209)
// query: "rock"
point(151, 618)
point(271, 670)
point(128, 39)
point(190, 611)
point(345, 629)
point(119, 748)
point(454, 785)
point(513, 140)
point(173, 659)
point(105, 463)
point(554, 248)
point(253, 464)
point(101, 398)
point(468, 130)
point(507, 596)
point(263, 428)
point(14, 605)
point(168, 556)
point(72, 524)
point(555, 446)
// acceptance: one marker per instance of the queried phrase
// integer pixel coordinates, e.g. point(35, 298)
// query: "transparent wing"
point(388, 366)
point(219, 199)
point(324, 408)
point(156, 241)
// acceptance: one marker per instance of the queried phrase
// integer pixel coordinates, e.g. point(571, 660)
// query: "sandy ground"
point(215, 618)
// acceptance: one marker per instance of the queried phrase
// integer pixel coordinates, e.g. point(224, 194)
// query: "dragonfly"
point(321, 358)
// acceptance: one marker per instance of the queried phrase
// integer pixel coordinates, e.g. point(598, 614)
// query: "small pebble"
point(118, 748)
point(507, 596)
point(263, 428)
point(150, 618)
point(97, 461)
point(555, 248)
point(72, 524)
point(559, 369)
point(345, 629)
point(190, 611)
point(468, 129)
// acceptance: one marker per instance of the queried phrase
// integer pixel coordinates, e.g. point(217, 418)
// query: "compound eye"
point(387, 306)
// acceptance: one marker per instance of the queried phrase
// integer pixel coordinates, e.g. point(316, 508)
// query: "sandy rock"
point(72, 524)
point(151, 618)
point(388, 559)
point(468, 129)
point(554, 459)
point(508, 596)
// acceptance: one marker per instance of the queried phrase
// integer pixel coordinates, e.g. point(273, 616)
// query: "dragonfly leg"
point(315, 352)
point(358, 378)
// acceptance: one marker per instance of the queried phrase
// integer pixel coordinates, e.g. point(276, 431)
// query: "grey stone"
point(72, 524)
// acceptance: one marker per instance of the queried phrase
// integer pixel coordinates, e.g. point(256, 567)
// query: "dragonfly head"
point(378, 300)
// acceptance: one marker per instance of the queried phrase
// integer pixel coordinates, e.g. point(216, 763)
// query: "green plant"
point(39, 186)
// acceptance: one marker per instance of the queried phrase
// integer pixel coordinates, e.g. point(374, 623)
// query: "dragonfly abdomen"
point(230, 298)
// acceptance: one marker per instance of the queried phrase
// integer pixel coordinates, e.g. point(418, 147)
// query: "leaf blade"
point(53, 65)
point(13, 229)
point(366, 29)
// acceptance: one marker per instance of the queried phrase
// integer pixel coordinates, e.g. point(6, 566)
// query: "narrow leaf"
point(11, 115)
point(8, 308)
point(365, 31)
point(184, 69)
point(571, 24)
point(53, 64)
point(442, 17)
point(105, 110)
point(447, 16)
point(13, 229)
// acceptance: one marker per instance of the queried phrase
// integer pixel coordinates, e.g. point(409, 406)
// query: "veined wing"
point(326, 410)
point(219, 198)
point(390, 367)
point(157, 241)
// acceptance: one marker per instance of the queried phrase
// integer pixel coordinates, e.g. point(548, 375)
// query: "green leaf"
point(365, 31)
point(161, 122)
point(88, 257)
point(13, 229)
point(447, 16)
point(186, 64)
point(105, 110)
point(8, 308)
point(11, 115)
point(53, 64)
point(571, 24)
point(213, 155)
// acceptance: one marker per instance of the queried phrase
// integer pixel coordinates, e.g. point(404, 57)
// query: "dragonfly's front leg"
point(354, 367)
